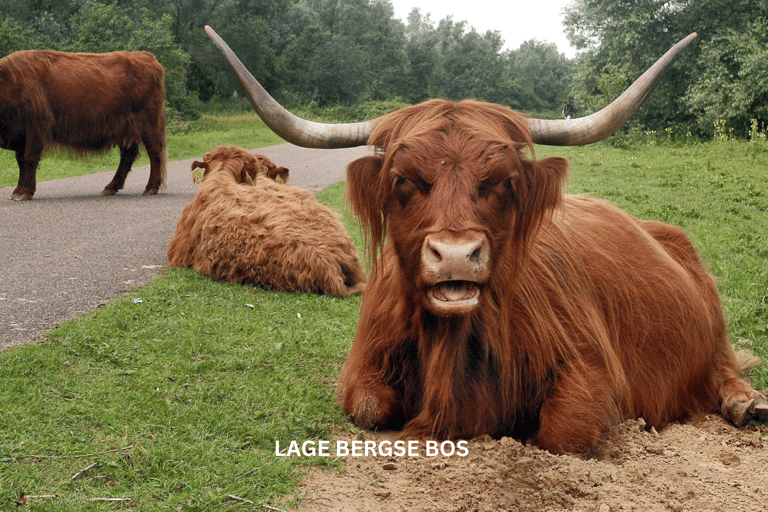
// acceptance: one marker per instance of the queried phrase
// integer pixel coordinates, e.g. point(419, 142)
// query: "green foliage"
point(14, 37)
point(733, 77)
point(345, 113)
point(721, 76)
point(322, 51)
point(324, 69)
point(107, 27)
point(539, 68)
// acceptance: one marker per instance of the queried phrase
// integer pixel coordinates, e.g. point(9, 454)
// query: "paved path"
point(70, 249)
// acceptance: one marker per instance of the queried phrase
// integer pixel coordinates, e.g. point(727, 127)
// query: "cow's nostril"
point(475, 256)
point(435, 254)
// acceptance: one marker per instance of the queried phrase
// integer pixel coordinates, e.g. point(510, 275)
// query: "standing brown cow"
point(500, 306)
point(86, 102)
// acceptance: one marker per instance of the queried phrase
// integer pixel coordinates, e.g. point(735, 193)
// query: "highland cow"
point(243, 227)
point(498, 305)
point(86, 102)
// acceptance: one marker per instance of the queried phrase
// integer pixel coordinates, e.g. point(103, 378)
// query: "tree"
point(107, 27)
point(539, 68)
point(323, 68)
point(719, 75)
point(732, 82)
point(14, 37)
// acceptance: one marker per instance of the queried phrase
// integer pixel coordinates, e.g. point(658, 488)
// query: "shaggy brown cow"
point(500, 306)
point(243, 227)
point(87, 103)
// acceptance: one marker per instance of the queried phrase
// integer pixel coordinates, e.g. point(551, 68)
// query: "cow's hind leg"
point(739, 401)
point(27, 178)
point(157, 165)
point(127, 157)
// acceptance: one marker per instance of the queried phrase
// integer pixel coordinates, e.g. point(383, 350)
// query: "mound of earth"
point(708, 465)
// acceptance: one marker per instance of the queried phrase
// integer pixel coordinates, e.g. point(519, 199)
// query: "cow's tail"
point(163, 135)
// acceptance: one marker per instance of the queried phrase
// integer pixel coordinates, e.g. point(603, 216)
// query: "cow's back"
point(661, 311)
point(87, 100)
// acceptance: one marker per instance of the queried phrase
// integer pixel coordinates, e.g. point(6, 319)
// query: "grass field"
point(173, 397)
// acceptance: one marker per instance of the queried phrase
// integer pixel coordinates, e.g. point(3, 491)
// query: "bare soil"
point(707, 465)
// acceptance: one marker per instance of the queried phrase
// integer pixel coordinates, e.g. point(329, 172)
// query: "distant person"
point(568, 110)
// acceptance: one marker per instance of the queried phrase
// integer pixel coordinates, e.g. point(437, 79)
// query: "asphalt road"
point(69, 250)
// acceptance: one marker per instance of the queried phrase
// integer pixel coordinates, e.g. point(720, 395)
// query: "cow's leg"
point(157, 165)
point(580, 408)
point(367, 401)
point(739, 401)
point(127, 157)
point(27, 177)
point(371, 406)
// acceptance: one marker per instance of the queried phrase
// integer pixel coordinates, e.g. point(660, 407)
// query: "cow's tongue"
point(451, 291)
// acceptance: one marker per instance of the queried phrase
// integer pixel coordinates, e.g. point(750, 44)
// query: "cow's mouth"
point(454, 296)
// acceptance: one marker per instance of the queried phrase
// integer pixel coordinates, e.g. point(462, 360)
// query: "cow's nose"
point(455, 256)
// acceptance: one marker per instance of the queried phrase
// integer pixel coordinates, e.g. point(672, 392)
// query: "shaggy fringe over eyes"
point(492, 124)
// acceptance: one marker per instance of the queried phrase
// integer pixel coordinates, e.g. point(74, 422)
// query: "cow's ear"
point(546, 183)
point(279, 172)
point(249, 168)
point(364, 190)
point(539, 194)
point(199, 169)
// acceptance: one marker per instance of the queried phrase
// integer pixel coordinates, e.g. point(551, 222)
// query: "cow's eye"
point(510, 188)
point(403, 189)
point(486, 187)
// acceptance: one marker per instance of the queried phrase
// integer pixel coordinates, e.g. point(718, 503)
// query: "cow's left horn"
point(602, 124)
point(293, 129)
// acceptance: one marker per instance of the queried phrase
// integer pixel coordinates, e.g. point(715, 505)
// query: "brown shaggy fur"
point(586, 315)
point(267, 234)
point(85, 102)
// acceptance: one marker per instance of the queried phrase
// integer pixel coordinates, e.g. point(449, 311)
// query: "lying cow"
point(243, 227)
point(86, 102)
point(499, 306)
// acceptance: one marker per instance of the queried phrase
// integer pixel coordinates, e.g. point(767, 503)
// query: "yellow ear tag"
point(248, 179)
point(197, 175)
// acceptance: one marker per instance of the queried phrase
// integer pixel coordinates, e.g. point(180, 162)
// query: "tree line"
point(321, 51)
point(345, 52)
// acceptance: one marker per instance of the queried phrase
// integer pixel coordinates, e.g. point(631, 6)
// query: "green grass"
point(192, 385)
point(245, 130)
point(180, 397)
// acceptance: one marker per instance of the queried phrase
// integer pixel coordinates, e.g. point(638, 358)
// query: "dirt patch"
point(703, 466)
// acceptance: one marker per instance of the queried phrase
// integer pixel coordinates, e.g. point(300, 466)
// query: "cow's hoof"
point(759, 409)
point(150, 192)
point(740, 412)
point(108, 192)
point(21, 196)
point(366, 411)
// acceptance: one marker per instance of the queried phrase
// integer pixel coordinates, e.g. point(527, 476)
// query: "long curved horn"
point(565, 132)
point(293, 129)
point(602, 124)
